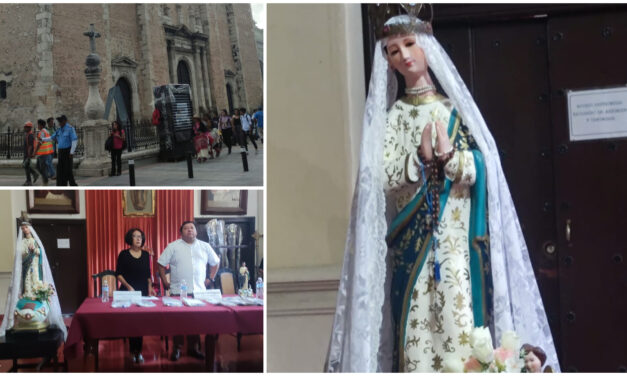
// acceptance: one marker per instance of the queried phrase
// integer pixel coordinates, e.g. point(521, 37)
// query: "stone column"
point(205, 77)
point(95, 128)
point(172, 69)
point(200, 82)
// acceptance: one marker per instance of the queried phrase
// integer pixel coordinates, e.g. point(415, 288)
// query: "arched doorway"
point(182, 73)
point(229, 97)
point(127, 97)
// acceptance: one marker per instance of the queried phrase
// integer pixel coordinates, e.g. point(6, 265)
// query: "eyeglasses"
point(137, 236)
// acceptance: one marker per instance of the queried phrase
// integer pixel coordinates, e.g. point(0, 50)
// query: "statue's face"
point(532, 363)
point(405, 56)
point(25, 230)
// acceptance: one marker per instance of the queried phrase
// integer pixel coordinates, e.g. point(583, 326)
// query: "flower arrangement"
point(484, 358)
point(42, 291)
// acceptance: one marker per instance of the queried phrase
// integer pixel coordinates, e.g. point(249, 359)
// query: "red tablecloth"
point(95, 319)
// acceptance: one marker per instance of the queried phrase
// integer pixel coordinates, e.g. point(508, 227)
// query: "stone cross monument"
point(96, 129)
point(94, 108)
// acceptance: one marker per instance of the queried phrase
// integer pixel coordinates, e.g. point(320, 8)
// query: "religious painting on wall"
point(223, 201)
point(52, 201)
point(138, 202)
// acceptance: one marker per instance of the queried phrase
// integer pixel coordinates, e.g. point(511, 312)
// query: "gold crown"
point(380, 13)
point(24, 218)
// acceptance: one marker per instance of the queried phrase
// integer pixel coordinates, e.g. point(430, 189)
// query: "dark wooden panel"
point(591, 181)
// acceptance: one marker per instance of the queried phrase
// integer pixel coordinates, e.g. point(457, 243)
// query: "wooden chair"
point(112, 281)
point(227, 284)
point(105, 275)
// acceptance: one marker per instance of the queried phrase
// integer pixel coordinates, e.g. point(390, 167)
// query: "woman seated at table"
point(133, 272)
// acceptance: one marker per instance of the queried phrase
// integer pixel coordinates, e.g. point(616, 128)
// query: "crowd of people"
point(43, 144)
point(211, 134)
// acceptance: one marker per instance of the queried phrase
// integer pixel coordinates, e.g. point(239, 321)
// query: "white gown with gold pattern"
point(440, 316)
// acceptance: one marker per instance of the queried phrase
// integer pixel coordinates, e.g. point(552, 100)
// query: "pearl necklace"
point(419, 90)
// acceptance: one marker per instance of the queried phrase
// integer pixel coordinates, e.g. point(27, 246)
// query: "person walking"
point(237, 128)
point(116, 149)
point(51, 129)
point(44, 151)
point(247, 123)
point(258, 117)
point(29, 152)
point(66, 140)
point(226, 129)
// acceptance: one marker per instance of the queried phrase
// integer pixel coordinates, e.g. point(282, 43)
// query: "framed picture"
point(138, 202)
point(52, 201)
point(223, 201)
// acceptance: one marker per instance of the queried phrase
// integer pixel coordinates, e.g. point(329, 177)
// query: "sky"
point(259, 14)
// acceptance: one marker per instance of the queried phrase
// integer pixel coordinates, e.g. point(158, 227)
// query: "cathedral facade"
point(211, 47)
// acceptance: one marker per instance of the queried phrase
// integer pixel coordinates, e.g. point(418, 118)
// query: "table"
point(96, 320)
point(22, 345)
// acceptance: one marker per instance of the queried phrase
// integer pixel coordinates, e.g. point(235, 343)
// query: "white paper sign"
point(63, 243)
point(208, 295)
point(131, 296)
point(597, 114)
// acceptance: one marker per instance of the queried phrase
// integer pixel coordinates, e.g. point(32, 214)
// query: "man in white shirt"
point(188, 258)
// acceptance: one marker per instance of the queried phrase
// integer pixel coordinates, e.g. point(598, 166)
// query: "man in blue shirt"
point(66, 140)
point(247, 123)
point(258, 116)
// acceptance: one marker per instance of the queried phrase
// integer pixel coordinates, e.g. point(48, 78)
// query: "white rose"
point(480, 334)
point(510, 341)
point(453, 365)
point(483, 350)
point(514, 364)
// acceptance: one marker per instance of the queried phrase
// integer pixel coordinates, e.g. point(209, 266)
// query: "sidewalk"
point(226, 170)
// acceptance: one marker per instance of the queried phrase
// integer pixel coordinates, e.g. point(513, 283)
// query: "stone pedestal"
point(94, 107)
point(97, 160)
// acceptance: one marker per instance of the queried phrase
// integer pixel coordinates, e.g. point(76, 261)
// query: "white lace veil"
point(55, 317)
point(362, 338)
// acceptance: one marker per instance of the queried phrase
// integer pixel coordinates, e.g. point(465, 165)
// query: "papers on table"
point(145, 303)
point(171, 302)
point(121, 304)
point(241, 301)
point(191, 302)
point(213, 296)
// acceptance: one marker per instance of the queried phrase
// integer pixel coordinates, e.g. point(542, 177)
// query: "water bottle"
point(183, 289)
point(259, 288)
point(105, 291)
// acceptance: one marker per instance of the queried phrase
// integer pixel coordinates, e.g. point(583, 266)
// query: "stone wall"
point(18, 64)
point(43, 53)
point(250, 68)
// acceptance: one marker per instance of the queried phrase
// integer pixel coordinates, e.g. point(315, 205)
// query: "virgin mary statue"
point(26, 308)
point(434, 247)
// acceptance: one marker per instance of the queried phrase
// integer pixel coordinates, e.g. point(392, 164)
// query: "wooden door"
point(518, 61)
point(501, 64)
point(589, 51)
point(68, 265)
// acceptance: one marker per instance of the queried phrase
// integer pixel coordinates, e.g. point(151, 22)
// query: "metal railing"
point(12, 144)
point(141, 135)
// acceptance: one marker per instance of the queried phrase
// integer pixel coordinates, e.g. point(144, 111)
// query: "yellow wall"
point(315, 104)
point(7, 226)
